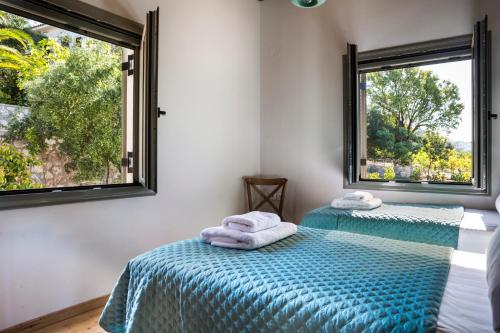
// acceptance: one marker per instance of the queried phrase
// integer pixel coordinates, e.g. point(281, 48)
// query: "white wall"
point(55, 257)
point(301, 115)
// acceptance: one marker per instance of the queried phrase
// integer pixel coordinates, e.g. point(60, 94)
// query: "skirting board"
point(58, 316)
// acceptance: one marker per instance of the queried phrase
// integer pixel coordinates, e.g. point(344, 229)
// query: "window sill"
point(16, 201)
point(412, 187)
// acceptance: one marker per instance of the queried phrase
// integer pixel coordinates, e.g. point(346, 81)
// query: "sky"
point(460, 73)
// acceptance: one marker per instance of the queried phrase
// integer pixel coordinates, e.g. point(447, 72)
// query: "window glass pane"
point(416, 123)
point(66, 108)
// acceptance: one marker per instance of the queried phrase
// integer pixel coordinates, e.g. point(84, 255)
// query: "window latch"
point(492, 116)
point(161, 113)
point(128, 162)
point(129, 65)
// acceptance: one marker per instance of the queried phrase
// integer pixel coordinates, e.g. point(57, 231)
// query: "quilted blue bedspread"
point(314, 281)
point(431, 224)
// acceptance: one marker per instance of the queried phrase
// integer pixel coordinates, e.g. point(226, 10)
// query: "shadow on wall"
point(119, 8)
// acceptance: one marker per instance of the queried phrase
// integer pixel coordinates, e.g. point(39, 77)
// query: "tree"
point(10, 56)
point(437, 148)
point(78, 102)
point(44, 55)
point(460, 165)
point(382, 133)
point(9, 90)
point(404, 103)
point(15, 169)
point(380, 136)
point(12, 21)
point(24, 54)
point(34, 59)
point(435, 151)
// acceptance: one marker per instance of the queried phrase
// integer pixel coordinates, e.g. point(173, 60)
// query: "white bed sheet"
point(465, 307)
point(484, 220)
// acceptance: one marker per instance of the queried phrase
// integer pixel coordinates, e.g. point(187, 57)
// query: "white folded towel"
point(251, 222)
point(235, 239)
point(353, 204)
point(358, 196)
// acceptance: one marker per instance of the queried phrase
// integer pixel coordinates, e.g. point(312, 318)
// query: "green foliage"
point(409, 112)
point(9, 90)
point(77, 101)
point(404, 103)
point(12, 47)
point(437, 158)
point(15, 169)
point(461, 177)
point(33, 59)
point(422, 160)
point(460, 162)
point(436, 148)
point(381, 137)
point(374, 175)
point(384, 139)
point(17, 55)
point(438, 176)
point(389, 173)
point(23, 55)
point(12, 21)
point(45, 54)
point(416, 173)
point(460, 165)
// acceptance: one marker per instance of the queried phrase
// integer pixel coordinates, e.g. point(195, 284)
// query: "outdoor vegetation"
point(73, 94)
point(410, 113)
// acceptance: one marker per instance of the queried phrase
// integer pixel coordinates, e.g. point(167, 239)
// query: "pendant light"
point(308, 3)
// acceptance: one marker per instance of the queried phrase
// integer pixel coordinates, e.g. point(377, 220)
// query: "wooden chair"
point(253, 183)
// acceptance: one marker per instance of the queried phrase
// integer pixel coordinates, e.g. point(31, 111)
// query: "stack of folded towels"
point(357, 200)
point(248, 231)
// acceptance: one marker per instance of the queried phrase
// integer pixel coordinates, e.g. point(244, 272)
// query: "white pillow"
point(493, 277)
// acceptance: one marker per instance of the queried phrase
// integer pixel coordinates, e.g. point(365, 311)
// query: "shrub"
point(389, 173)
point(374, 175)
point(15, 169)
point(438, 177)
point(461, 177)
point(416, 174)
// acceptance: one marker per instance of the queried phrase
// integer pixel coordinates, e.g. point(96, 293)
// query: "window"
point(418, 117)
point(78, 104)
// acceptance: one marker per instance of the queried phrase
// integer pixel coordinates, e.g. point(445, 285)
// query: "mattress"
point(480, 220)
point(314, 281)
point(465, 307)
point(476, 229)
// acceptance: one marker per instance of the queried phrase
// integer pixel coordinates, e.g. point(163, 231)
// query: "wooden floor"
point(85, 323)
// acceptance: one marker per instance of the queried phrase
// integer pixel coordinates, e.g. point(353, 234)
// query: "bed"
point(315, 281)
point(432, 224)
point(465, 307)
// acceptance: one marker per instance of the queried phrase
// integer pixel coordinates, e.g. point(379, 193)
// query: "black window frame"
point(476, 47)
point(87, 20)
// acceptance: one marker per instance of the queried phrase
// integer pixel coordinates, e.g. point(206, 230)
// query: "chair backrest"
point(279, 184)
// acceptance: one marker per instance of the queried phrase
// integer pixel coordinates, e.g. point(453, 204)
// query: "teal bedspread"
point(431, 224)
point(314, 281)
